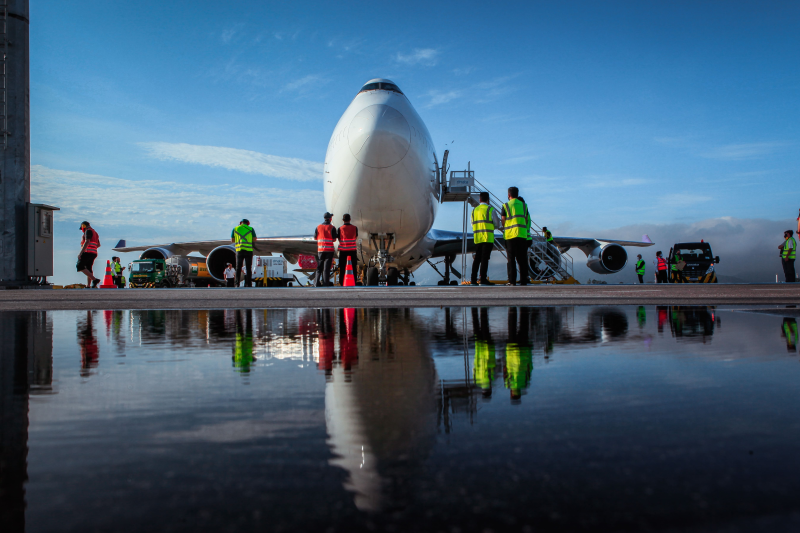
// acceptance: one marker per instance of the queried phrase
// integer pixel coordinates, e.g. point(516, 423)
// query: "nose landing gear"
point(377, 271)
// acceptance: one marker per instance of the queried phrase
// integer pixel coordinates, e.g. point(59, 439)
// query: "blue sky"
point(169, 121)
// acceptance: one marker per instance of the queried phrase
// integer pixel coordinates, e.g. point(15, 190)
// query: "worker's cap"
point(327, 216)
point(245, 221)
point(85, 223)
point(544, 228)
point(346, 217)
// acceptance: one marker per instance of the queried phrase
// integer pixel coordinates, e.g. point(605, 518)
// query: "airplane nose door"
point(379, 136)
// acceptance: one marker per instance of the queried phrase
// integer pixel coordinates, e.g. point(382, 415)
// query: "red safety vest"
point(347, 238)
point(662, 263)
point(94, 242)
point(325, 238)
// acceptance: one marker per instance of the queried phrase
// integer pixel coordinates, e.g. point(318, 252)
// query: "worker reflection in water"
point(348, 238)
point(519, 355)
point(348, 339)
point(515, 232)
point(789, 332)
point(325, 235)
point(640, 268)
point(243, 357)
point(90, 352)
point(327, 350)
point(243, 236)
point(484, 220)
point(90, 242)
point(485, 359)
point(641, 316)
point(788, 254)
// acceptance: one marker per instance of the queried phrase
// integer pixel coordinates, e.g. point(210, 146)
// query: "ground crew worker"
point(348, 240)
point(788, 253)
point(484, 218)
point(676, 273)
point(244, 236)
point(548, 237)
point(325, 235)
point(243, 356)
point(485, 358)
point(661, 268)
point(90, 242)
point(640, 268)
point(515, 233)
point(230, 275)
point(519, 355)
point(117, 269)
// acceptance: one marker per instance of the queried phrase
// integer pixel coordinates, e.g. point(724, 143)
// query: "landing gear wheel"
point(372, 277)
point(412, 283)
point(441, 282)
point(453, 282)
point(392, 276)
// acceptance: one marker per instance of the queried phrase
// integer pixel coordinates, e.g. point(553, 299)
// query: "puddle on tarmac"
point(460, 419)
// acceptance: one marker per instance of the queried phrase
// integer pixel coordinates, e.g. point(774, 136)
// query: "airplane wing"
point(449, 242)
point(290, 247)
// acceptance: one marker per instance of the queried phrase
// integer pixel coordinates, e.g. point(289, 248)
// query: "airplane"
point(381, 168)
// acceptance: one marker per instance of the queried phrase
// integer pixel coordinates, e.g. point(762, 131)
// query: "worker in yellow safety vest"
point(788, 254)
point(484, 219)
point(515, 233)
point(790, 332)
point(243, 236)
point(640, 268)
point(243, 357)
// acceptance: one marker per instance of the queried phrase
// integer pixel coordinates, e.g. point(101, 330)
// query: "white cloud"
point(442, 97)
point(738, 152)
point(616, 182)
point(156, 210)
point(420, 56)
point(306, 82)
point(235, 159)
point(682, 199)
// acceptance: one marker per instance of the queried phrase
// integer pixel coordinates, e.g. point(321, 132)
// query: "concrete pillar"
point(15, 140)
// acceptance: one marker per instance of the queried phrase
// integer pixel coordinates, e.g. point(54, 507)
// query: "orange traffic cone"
point(108, 280)
point(349, 279)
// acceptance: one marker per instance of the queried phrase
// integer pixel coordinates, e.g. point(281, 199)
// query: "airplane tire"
point(392, 276)
point(372, 277)
point(441, 282)
point(412, 283)
point(453, 282)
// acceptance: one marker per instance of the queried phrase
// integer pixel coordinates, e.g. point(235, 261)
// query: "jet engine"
point(607, 259)
point(217, 261)
point(156, 253)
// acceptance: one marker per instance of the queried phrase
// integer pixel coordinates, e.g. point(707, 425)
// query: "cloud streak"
point(235, 159)
point(739, 152)
point(427, 57)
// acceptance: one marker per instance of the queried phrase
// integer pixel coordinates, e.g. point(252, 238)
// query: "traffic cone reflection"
point(349, 279)
point(108, 280)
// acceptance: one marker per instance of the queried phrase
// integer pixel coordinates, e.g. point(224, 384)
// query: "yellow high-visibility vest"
point(516, 225)
point(482, 225)
point(243, 235)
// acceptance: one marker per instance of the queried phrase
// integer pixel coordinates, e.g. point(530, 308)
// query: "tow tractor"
point(177, 271)
point(695, 263)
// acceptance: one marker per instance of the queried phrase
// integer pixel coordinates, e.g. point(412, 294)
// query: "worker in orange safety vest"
point(325, 235)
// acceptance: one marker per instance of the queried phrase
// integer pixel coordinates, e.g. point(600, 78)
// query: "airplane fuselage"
point(381, 168)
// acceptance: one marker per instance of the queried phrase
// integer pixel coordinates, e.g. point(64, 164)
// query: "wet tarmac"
point(592, 418)
point(299, 297)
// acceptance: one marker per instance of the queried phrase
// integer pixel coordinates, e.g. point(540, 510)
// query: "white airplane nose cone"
point(379, 136)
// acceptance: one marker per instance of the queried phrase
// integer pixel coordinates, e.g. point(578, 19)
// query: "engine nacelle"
point(217, 261)
point(156, 253)
point(607, 259)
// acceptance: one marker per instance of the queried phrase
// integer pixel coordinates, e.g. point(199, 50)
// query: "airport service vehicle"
point(176, 271)
point(271, 272)
point(699, 263)
point(381, 168)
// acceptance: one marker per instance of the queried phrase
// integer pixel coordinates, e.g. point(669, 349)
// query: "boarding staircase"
point(546, 264)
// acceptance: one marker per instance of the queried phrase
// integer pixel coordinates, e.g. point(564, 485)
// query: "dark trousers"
point(229, 282)
point(788, 270)
point(662, 276)
point(243, 258)
point(353, 255)
point(483, 252)
point(324, 260)
point(641, 278)
point(118, 281)
point(517, 250)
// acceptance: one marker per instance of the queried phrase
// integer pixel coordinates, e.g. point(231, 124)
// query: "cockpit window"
point(380, 85)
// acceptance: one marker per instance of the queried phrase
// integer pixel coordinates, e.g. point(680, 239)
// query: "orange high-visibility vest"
point(347, 238)
point(325, 238)
point(91, 248)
